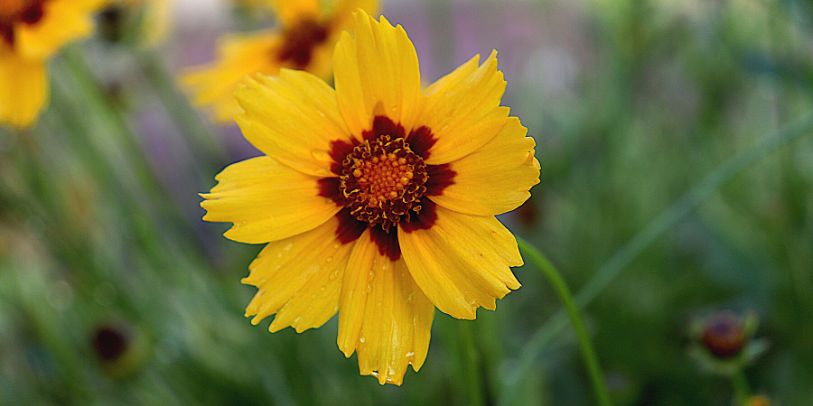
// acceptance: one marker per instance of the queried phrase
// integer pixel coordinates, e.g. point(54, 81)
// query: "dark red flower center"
point(110, 342)
point(724, 335)
point(384, 183)
point(300, 41)
point(18, 11)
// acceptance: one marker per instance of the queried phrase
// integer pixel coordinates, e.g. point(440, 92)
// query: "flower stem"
point(741, 390)
point(585, 345)
point(469, 353)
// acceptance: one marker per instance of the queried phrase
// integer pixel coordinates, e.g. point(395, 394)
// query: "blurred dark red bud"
point(110, 342)
point(724, 335)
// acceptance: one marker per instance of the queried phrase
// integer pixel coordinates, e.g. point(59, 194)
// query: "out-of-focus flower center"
point(300, 41)
point(10, 8)
point(724, 336)
point(383, 180)
point(14, 11)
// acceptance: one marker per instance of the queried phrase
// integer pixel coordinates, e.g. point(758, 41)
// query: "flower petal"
point(342, 12)
point(266, 201)
point(462, 262)
point(383, 315)
point(463, 109)
point(63, 21)
point(299, 279)
point(497, 177)
point(23, 90)
point(238, 57)
point(377, 73)
point(290, 11)
point(293, 118)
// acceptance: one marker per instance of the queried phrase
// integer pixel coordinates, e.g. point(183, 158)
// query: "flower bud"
point(724, 335)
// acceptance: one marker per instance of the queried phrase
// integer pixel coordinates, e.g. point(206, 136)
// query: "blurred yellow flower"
point(377, 199)
point(305, 41)
point(31, 31)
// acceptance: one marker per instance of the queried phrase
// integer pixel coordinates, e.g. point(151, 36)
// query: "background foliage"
point(633, 104)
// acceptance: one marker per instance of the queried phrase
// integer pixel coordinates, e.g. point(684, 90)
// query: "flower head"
point(377, 199)
point(723, 342)
point(304, 41)
point(31, 31)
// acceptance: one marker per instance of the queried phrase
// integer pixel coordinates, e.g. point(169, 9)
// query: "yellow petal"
point(23, 89)
point(238, 56)
point(292, 118)
point(342, 12)
point(63, 21)
point(299, 279)
point(383, 316)
point(497, 177)
point(462, 262)
point(266, 201)
point(463, 109)
point(377, 73)
point(290, 11)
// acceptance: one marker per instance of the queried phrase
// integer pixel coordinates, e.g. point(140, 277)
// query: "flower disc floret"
point(382, 181)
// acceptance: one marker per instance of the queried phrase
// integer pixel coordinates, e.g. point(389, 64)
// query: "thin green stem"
point(471, 360)
point(585, 345)
point(622, 258)
point(741, 390)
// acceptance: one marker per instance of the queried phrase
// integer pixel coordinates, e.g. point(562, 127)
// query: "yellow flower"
point(377, 200)
point(30, 32)
point(305, 41)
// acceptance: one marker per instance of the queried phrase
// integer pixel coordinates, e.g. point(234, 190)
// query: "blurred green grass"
point(95, 232)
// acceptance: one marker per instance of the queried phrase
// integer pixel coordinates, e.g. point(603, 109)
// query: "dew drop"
point(362, 339)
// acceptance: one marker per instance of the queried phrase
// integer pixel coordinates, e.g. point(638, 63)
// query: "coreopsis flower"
point(31, 31)
point(377, 199)
point(305, 39)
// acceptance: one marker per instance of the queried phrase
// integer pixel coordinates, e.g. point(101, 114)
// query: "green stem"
point(472, 367)
point(585, 345)
point(741, 390)
point(698, 194)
